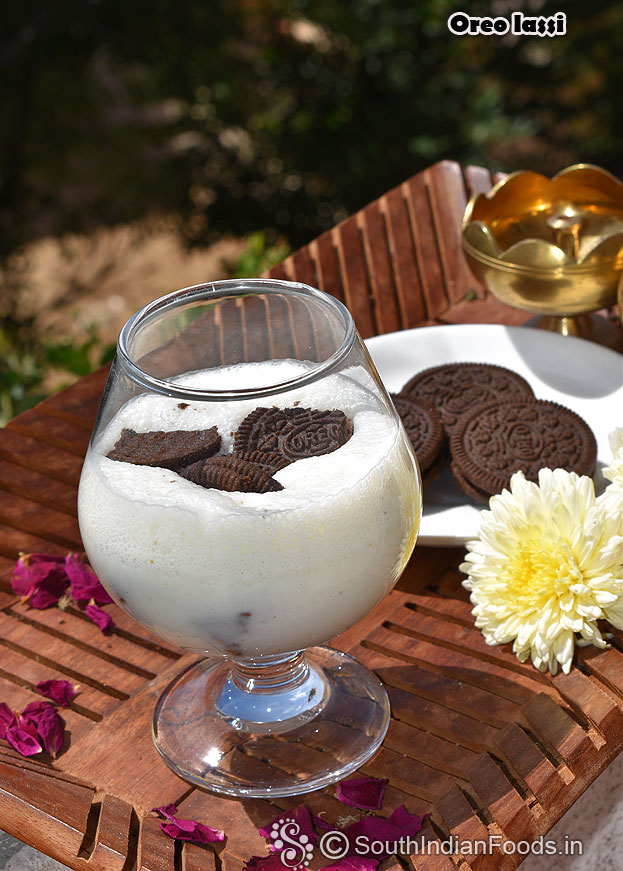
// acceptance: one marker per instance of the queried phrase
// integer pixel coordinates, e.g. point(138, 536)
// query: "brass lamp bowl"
point(552, 247)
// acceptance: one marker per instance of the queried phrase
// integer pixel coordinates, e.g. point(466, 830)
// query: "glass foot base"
point(215, 728)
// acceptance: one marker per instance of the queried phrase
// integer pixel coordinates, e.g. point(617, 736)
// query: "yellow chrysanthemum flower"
point(612, 498)
point(547, 566)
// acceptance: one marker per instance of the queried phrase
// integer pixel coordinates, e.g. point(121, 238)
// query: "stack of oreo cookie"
point(493, 426)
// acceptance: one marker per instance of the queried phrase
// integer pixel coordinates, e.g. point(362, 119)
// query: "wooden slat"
point(354, 276)
point(325, 256)
point(76, 628)
point(371, 223)
point(69, 438)
point(113, 835)
point(303, 267)
point(448, 201)
point(31, 453)
point(18, 480)
point(28, 806)
point(402, 250)
point(427, 246)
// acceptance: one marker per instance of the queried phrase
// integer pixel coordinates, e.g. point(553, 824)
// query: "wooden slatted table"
point(484, 743)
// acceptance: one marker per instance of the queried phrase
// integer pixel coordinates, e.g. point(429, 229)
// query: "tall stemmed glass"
point(254, 580)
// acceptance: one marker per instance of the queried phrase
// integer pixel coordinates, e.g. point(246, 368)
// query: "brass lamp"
point(550, 246)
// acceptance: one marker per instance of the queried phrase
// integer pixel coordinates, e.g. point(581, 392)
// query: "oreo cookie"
point(271, 460)
point(295, 433)
point(422, 423)
point(166, 450)
point(454, 388)
point(232, 474)
point(495, 439)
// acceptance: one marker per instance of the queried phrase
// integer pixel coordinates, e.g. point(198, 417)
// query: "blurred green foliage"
point(274, 118)
point(282, 115)
point(25, 365)
point(258, 256)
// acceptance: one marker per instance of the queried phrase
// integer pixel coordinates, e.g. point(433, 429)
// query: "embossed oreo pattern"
point(295, 433)
point(423, 425)
point(495, 439)
point(454, 388)
point(271, 460)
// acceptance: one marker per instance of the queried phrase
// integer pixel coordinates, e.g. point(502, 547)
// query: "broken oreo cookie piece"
point(296, 433)
point(232, 474)
point(167, 450)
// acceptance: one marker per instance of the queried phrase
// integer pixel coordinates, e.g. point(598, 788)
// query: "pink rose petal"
point(51, 731)
point(407, 823)
point(297, 821)
point(400, 824)
point(60, 691)
point(190, 830)
point(35, 710)
point(23, 740)
point(102, 620)
point(39, 579)
point(7, 719)
point(321, 823)
point(84, 583)
point(353, 863)
point(364, 792)
point(33, 568)
point(166, 810)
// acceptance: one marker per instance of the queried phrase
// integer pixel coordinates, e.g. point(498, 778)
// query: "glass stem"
point(271, 693)
point(270, 674)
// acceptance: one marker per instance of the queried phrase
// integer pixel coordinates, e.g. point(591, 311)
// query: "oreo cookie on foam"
point(168, 450)
point(454, 388)
point(493, 440)
point(422, 423)
point(294, 433)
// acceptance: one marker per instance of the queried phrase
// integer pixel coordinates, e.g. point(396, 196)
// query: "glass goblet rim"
point(215, 290)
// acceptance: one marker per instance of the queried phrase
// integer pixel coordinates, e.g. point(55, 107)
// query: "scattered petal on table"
point(39, 579)
point(388, 830)
point(35, 710)
point(60, 691)
point(7, 719)
point(321, 823)
point(22, 740)
point(363, 792)
point(190, 830)
point(102, 620)
point(296, 822)
point(84, 583)
point(51, 731)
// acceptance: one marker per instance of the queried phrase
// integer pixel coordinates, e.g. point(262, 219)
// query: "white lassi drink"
point(253, 573)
